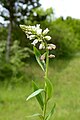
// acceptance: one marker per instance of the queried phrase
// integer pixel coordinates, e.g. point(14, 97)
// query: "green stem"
point(45, 106)
point(47, 63)
point(46, 76)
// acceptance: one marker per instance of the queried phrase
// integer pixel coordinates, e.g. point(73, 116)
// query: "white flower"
point(29, 32)
point(45, 31)
point(31, 37)
point(51, 46)
point(47, 37)
point(36, 29)
point(32, 27)
point(51, 56)
point(34, 42)
point(39, 31)
point(40, 40)
point(38, 26)
point(27, 36)
point(41, 46)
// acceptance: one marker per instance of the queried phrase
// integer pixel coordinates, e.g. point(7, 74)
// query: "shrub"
point(13, 71)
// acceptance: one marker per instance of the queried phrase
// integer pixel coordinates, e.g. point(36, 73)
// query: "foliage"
point(17, 10)
point(64, 33)
point(14, 12)
point(3, 33)
point(5, 71)
point(14, 69)
point(39, 14)
point(74, 24)
point(64, 36)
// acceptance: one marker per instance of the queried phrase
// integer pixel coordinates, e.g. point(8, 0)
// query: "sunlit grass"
point(65, 76)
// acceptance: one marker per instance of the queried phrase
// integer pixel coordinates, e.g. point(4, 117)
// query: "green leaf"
point(49, 88)
point(39, 96)
point(35, 93)
point(50, 113)
point(38, 56)
point(36, 115)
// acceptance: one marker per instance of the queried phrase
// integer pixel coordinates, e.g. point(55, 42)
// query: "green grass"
point(65, 76)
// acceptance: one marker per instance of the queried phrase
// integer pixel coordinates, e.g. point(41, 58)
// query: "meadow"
point(65, 76)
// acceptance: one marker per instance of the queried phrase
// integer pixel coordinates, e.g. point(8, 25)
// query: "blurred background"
point(18, 66)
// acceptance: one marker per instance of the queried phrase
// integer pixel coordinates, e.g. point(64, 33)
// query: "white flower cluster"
point(35, 34)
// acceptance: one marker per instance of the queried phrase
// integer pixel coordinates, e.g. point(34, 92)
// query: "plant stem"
point(47, 63)
point(45, 106)
point(46, 76)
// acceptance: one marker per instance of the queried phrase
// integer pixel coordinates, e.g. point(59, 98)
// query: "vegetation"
point(18, 66)
point(13, 70)
point(65, 76)
point(15, 12)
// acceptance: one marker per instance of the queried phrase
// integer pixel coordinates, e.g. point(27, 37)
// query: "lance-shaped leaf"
point(49, 88)
point(36, 115)
point(38, 56)
point(39, 96)
point(50, 113)
point(35, 93)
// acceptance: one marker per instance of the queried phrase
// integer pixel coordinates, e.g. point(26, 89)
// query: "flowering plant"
point(37, 36)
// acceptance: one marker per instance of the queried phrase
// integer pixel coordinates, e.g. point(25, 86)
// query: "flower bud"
point(31, 37)
point(51, 56)
point(34, 42)
point(39, 31)
point(41, 46)
point(38, 25)
point(51, 46)
point(47, 37)
point(45, 31)
point(42, 57)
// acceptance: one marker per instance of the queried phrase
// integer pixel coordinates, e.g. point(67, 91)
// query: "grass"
point(65, 76)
